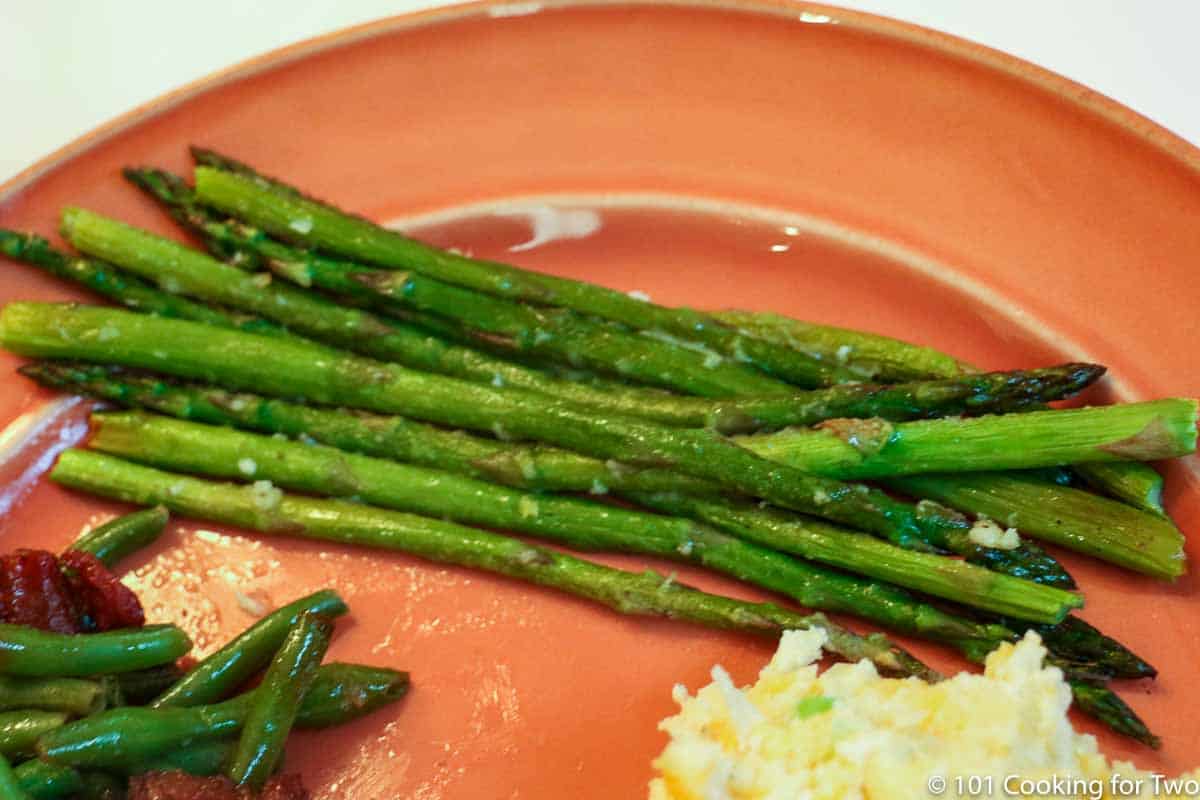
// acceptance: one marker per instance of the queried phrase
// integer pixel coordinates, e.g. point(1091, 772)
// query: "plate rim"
point(1091, 101)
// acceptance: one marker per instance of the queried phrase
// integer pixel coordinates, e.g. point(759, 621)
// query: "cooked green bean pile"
point(91, 709)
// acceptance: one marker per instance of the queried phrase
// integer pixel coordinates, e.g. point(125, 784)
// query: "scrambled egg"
point(848, 733)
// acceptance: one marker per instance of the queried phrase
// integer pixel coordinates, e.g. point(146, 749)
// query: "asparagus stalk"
point(276, 513)
point(1069, 517)
point(184, 270)
point(537, 330)
point(1103, 704)
point(807, 538)
point(1078, 648)
point(1089, 694)
point(296, 218)
point(1072, 518)
point(243, 190)
point(538, 467)
point(535, 468)
point(187, 270)
point(628, 593)
point(882, 358)
point(294, 368)
point(874, 448)
point(267, 203)
point(559, 335)
point(1083, 652)
point(129, 290)
point(555, 334)
point(531, 327)
point(885, 358)
point(1133, 483)
point(221, 452)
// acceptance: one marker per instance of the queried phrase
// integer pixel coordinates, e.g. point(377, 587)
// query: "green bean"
point(123, 536)
point(77, 696)
point(33, 653)
point(219, 675)
point(10, 787)
point(204, 759)
point(41, 780)
point(140, 687)
point(19, 730)
point(343, 692)
point(277, 701)
point(124, 737)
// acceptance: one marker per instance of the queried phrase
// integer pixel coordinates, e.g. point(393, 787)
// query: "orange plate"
point(909, 182)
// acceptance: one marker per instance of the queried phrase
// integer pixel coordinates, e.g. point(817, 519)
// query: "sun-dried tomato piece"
point(181, 786)
point(62, 609)
point(34, 592)
point(108, 602)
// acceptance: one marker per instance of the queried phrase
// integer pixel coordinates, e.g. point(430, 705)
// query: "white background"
point(69, 65)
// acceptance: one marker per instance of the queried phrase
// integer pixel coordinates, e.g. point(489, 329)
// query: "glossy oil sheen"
point(853, 171)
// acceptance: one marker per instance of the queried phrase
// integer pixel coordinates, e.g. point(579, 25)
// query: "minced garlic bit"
point(528, 508)
point(849, 733)
point(265, 495)
point(247, 466)
point(529, 468)
point(251, 605)
point(986, 533)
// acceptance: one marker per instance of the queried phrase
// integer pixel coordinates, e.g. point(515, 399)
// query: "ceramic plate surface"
point(805, 160)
